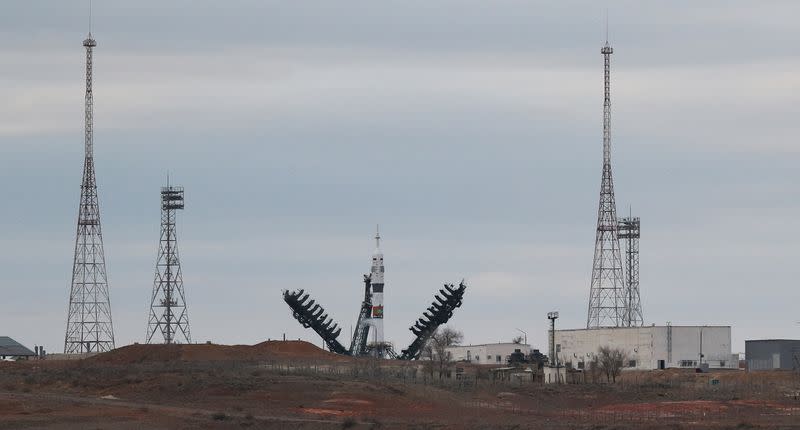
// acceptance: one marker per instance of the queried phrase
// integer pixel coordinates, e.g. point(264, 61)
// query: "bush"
point(219, 416)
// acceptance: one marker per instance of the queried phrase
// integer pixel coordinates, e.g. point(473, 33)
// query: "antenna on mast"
point(90, 17)
point(606, 26)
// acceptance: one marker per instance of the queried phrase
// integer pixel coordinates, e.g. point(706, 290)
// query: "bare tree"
point(611, 361)
point(518, 340)
point(441, 339)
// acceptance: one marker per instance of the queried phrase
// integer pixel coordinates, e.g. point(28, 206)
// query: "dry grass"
point(385, 395)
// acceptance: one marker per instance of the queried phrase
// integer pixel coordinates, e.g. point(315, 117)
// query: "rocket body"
point(376, 317)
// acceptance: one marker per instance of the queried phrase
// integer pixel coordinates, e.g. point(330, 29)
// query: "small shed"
point(11, 349)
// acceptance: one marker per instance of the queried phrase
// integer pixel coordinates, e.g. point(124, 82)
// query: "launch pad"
point(370, 318)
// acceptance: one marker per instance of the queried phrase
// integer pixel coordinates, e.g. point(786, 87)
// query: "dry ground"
point(294, 385)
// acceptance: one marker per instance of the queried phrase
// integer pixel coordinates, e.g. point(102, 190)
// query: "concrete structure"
point(554, 375)
point(10, 349)
point(653, 347)
point(488, 353)
point(771, 354)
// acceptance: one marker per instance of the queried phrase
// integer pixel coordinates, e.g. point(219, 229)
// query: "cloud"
point(470, 131)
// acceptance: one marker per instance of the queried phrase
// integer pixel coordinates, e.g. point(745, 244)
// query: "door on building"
point(661, 364)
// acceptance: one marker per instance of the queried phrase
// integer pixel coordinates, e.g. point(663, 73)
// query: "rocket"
point(376, 272)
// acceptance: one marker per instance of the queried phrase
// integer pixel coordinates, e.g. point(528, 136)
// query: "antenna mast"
point(607, 305)
point(89, 326)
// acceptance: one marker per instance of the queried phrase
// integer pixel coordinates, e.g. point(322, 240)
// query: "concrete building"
point(10, 349)
point(652, 347)
point(770, 354)
point(487, 353)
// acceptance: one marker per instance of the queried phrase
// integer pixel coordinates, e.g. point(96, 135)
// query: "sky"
point(471, 131)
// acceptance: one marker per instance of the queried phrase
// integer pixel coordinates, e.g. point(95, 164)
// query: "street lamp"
point(553, 316)
point(524, 334)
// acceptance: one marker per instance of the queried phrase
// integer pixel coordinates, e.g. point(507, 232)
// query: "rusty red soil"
point(687, 407)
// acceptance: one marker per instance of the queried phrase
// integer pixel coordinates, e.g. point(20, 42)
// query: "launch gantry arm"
point(437, 314)
point(313, 315)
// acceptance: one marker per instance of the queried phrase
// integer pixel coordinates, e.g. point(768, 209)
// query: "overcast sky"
point(470, 130)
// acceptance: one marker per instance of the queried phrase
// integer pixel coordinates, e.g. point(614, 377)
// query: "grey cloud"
point(469, 129)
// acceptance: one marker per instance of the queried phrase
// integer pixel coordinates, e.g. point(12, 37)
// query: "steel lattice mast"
point(89, 327)
point(629, 233)
point(607, 307)
point(169, 316)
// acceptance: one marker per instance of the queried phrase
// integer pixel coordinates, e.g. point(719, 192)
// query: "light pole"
point(553, 316)
point(524, 334)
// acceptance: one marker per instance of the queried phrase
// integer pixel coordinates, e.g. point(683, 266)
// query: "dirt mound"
point(296, 349)
point(271, 350)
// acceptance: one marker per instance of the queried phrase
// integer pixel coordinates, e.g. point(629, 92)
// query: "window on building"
point(632, 363)
point(498, 358)
point(581, 365)
point(722, 363)
point(488, 357)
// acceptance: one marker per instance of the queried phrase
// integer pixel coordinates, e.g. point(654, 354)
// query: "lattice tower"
point(606, 298)
point(89, 326)
point(169, 316)
point(629, 234)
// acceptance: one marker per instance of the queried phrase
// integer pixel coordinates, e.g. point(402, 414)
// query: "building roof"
point(10, 347)
point(772, 340)
point(519, 345)
point(595, 329)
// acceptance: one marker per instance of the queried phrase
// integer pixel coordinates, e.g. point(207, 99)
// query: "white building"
point(488, 353)
point(653, 347)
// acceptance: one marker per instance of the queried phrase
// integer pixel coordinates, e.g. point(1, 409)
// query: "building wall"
point(771, 354)
point(490, 353)
point(646, 347)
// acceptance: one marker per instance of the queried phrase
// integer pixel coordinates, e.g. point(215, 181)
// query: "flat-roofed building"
point(769, 354)
point(650, 347)
point(487, 353)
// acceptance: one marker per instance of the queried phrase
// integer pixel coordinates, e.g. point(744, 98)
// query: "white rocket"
point(376, 273)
